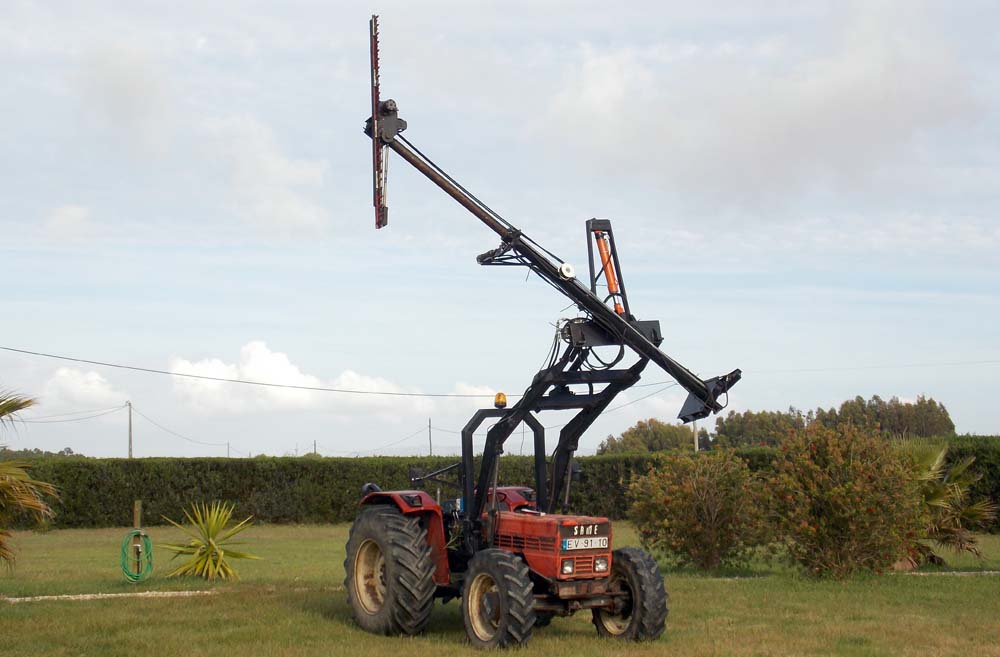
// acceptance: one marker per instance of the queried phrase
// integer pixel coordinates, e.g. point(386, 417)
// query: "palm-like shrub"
point(11, 404)
point(951, 517)
point(19, 493)
point(209, 545)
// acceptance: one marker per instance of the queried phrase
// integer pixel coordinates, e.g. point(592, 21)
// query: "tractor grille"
point(584, 566)
point(527, 543)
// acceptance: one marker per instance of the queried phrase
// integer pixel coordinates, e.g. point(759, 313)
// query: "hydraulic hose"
point(136, 568)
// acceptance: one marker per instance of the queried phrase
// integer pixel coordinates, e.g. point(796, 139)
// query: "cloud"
point(462, 388)
point(266, 187)
point(75, 389)
point(966, 241)
point(643, 404)
point(129, 99)
point(68, 223)
point(258, 363)
point(915, 234)
point(735, 125)
point(125, 95)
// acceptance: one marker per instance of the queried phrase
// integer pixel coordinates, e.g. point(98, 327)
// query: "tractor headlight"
point(601, 565)
point(567, 566)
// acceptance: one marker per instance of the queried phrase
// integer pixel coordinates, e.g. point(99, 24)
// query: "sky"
point(810, 193)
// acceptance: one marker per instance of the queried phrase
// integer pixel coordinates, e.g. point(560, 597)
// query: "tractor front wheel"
point(390, 572)
point(640, 612)
point(497, 600)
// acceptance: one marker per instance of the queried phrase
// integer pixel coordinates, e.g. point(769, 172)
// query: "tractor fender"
point(418, 502)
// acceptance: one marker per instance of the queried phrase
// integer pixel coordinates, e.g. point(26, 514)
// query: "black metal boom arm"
point(706, 392)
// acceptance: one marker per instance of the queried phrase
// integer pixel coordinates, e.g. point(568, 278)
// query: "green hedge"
point(99, 492)
point(986, 450)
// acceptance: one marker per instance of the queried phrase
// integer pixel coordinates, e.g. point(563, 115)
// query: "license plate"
point(589, 543)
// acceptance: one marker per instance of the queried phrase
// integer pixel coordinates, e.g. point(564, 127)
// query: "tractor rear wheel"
point(641, 610)
point(390, 572)
point(497, 600)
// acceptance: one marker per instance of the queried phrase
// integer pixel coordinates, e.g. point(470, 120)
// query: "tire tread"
point(514, 576)
point(651, 609)
point(411, 595)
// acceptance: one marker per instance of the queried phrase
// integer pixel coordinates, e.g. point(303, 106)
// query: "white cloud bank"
point(74, 390)
point(68, 223)
point(128, 97)
point(125, 94)
point(267, 187)
point(748, 124)
point(257, 362)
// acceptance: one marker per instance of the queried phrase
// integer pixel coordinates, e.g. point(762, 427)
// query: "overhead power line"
point(384, 393)
point(416, 433)
point(898, 366)
point(666, 386)
point(151, 370)
point(69, 413)
point(44, 420)
point(174, 433)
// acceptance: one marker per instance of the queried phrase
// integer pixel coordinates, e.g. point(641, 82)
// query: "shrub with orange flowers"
point(842, 501)
point(699, 509)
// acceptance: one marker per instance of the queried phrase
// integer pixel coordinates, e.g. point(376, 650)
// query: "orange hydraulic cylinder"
point(609, 269)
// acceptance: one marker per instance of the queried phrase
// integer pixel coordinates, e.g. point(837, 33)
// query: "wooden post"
point(129, 404)
point(137, 540)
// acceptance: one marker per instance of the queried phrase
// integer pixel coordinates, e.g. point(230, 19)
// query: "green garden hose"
point(136, 567)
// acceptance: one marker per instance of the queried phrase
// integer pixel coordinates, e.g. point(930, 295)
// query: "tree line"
point(893, 418)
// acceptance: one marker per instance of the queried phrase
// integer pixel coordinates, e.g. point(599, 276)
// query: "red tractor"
point(514, 561)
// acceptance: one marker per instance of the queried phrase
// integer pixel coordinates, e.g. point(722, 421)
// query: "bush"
point(699, 509)
point(653, 436)
point(209, 544)
point(21, 498)
point(99, 492)
point(843, 501)
point(951, 516)
point(758, 459)
point(986, 452)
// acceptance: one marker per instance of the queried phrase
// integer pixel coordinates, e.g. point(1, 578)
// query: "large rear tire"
point(641, 614)
point(390, 572)
point(497, 600)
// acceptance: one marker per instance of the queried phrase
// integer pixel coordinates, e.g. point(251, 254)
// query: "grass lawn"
point(292, 603)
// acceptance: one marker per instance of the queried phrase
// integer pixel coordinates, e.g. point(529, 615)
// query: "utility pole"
point(227, 449)
point(314, 448)
point(694, 429)
point(129, 404)
point(430, 441)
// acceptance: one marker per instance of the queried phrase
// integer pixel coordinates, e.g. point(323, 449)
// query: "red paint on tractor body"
point(417, 502)
point(539, 538)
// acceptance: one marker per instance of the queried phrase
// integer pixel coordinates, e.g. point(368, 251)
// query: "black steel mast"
point(706, 391)
point(612, 326)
